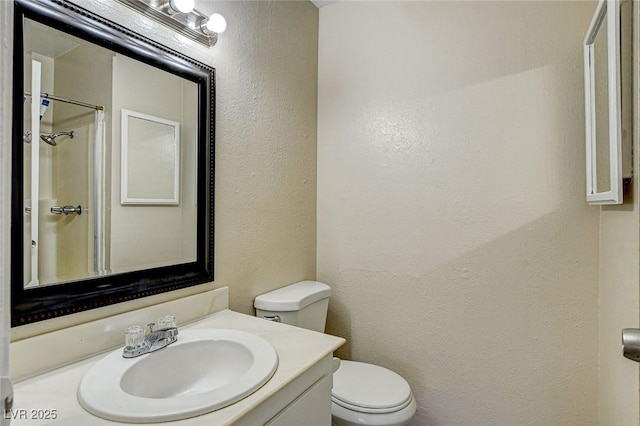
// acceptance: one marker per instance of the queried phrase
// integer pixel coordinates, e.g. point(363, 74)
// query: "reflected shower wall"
point(65, 246)
point(73, 184)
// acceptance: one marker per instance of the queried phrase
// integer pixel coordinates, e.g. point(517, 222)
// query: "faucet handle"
point(134, 336)
point(167, 321)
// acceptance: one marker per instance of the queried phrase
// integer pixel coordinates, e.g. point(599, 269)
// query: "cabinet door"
point(312, 408)
point(608, 101)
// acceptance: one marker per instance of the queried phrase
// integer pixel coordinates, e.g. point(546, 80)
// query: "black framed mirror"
point(112, 164)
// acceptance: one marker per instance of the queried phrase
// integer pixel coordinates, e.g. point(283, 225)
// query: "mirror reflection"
point(602, 156)
point(99, 200)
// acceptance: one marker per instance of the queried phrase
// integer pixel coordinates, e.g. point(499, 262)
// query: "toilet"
point(362, 394)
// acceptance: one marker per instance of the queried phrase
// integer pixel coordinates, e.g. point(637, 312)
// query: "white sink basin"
point(203, 371)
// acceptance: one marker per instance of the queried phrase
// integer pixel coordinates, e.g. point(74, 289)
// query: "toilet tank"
point(303, 304)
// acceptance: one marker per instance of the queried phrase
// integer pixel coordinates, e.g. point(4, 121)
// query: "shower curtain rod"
point(69, 101)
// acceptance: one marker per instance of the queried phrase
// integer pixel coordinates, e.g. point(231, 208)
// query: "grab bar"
point(66, 210)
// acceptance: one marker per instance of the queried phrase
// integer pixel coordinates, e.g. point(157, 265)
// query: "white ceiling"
point(46, 41)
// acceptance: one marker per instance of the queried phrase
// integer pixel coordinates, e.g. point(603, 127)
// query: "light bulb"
point(184, 6)
point(216, 23)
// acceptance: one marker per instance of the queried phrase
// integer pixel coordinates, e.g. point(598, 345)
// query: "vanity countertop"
point(298, 350)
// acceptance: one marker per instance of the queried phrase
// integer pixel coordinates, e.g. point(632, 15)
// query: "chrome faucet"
point(137, 343)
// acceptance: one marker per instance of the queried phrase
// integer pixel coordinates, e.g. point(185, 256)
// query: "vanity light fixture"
point(180, 16)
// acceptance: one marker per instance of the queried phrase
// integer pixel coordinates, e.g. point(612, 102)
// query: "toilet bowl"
point(362, 394)
point(371, 395)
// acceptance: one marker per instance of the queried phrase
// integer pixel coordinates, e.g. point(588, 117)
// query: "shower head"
point(51, 139)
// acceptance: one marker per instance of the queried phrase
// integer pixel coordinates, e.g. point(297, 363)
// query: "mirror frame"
point(609, 10)
point(51, 301)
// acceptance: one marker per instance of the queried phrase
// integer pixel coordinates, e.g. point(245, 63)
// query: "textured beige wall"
point(619, 276)
point(266, 113)
point(265, 202)
point(452, 224)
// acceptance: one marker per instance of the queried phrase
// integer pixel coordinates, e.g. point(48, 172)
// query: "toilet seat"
point(341, 416)
point(368, 388)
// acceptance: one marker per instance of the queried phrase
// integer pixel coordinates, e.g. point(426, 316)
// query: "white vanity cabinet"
point(312, 408)
point(304, 401)
point(299, 393)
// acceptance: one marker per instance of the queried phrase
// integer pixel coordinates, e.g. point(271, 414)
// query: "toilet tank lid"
point(292, 297)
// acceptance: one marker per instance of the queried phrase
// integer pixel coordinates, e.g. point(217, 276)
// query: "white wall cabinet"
point(608, 101)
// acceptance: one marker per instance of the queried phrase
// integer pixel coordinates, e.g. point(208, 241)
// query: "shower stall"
point(64, 185)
